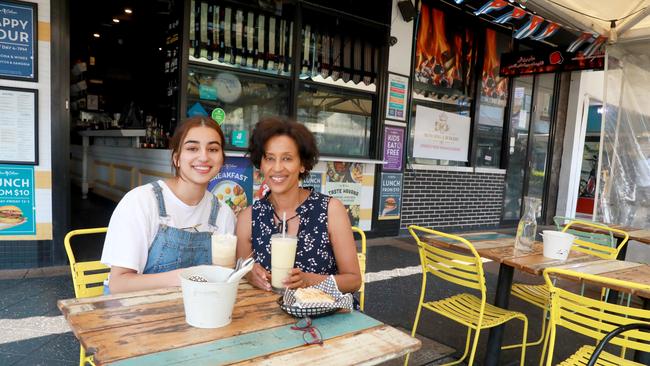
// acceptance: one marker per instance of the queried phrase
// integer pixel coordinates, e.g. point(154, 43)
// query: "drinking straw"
point(284, 224)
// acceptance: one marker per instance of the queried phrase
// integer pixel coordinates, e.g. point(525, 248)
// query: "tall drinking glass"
point(224, 248)
point(283, 257)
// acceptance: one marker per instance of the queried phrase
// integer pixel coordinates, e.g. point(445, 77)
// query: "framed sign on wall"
point(18, 126)
point(18, 40)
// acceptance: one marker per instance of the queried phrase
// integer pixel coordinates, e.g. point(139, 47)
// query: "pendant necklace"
point(281, 222)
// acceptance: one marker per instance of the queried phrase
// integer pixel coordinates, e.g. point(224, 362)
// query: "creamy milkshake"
point(283, 257)
point(224, 247)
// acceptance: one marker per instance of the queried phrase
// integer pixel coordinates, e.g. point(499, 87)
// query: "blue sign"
point(390, 196)
point(17, 207)
point(18, 40)
point(314, 180)
point(234, 184)
point(240, 138)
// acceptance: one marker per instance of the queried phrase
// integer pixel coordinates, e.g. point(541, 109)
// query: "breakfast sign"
point(17, 200)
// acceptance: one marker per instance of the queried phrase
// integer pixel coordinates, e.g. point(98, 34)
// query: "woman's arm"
point(348, 278)
point(259, 277)
point(127, 280)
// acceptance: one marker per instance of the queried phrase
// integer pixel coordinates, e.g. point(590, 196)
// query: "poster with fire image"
point(494, 88)
point(444, 54)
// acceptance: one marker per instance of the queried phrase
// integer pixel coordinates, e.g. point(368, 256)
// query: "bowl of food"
point(319, 300)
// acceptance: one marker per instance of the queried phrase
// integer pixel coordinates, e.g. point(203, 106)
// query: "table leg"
point(85, 146)
point(495, 339)
point(643, 357)
point(612, 296)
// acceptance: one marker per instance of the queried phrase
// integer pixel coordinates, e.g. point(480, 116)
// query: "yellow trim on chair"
point(469, 310)
point(538, 295)
point(593, 318)
point(87, 277)
point(362, 265)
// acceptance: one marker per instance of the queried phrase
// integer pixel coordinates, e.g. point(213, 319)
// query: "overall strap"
point(159, 198)
point(214, 211)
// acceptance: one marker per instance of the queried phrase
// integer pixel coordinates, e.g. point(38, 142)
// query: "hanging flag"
point(490, 6)
point(515, 13)
point(595, 46)
point(529, 28)
point(584, 37)
point(550, 29)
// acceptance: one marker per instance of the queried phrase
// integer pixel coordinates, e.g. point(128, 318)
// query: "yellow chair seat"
point(606, 359)
point(464, 308)
point(537, 295)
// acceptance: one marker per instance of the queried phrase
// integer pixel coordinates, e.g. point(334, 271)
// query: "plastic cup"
point(208, 304)
point(557, 244)
point(224, 247)
point(283, 257)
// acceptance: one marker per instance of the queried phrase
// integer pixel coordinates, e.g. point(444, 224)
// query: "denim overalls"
point(174, 248)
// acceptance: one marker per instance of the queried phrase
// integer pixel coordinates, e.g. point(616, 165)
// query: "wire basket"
point(299, 312)
point(341, 301)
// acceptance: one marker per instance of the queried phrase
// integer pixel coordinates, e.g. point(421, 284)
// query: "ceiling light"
point(159, 48)
point(96, 35)
point(128, 10)
point(115, 20)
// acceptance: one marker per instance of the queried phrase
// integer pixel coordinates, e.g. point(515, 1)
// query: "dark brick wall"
point(452, 200)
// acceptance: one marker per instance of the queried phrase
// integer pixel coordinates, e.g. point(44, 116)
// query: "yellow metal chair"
point(467, 271)
point(538, 295)
point(87, 277)
point(593, 318)
point(362, 265)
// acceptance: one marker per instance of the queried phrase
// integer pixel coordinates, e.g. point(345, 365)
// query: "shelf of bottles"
point(259, 40)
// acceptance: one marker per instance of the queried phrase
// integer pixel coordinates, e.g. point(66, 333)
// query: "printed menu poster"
point(314, 180)
point(17, 206)
point(344, 182)
point(440, 135)
point(234, 184)
point(18, 125)
point(390, 196)
point(393, 148)
point(396, 101)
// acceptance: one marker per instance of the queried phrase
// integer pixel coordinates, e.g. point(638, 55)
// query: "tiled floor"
point(32, 332)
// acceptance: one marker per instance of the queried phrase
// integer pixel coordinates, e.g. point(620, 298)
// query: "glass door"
point(528, 142)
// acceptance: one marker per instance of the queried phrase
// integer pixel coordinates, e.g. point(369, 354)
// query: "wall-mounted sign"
point(18, 40)
point(314, 180)
point(344, 182)
point(440, 135)
point(396, 102)
point(393, 148)
point(390, 196)
point(18, 126)
point(234, 184)
point(541, 61)
point(17, 206)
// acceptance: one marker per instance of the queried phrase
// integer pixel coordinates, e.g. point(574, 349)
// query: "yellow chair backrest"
point(87, 277)
point(362, 264)
point(595, 249)
point(457, 268)
point(595, 318)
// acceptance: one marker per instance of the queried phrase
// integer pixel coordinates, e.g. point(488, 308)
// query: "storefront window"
point(493, 93)
point(341, 120)
point(244, 99)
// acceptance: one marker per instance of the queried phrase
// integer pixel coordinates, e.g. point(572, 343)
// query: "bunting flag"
point(490, 6)
point(584, 37)
point(550, 29)
point(529, 28)
point(595, 46)
point(515, 13)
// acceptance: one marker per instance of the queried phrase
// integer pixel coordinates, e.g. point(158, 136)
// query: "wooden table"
point(149, 328)
point(502, 250)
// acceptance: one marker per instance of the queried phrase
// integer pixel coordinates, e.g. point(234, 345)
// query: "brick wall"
point(451, 200)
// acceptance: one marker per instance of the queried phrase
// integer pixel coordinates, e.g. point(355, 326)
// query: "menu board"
point(18, 126)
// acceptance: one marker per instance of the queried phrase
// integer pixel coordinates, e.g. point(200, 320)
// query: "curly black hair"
point(270, 127)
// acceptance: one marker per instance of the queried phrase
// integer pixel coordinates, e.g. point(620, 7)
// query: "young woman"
point(285, 152)
point(159, 228)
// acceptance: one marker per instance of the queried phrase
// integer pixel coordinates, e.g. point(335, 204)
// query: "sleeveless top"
point(314, 253)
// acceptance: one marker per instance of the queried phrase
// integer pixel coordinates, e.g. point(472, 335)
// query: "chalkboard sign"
point(18, 40)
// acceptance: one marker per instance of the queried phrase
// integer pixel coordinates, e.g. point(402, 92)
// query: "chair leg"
point(415, 327)
point(524, 338)
point(546, 340)
point(82, 356)
point(467, 341)
point(537, 342)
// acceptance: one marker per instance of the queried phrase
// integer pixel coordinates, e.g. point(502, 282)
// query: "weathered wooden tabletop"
point(502, 250)
point(149, 328)
point(640, 235)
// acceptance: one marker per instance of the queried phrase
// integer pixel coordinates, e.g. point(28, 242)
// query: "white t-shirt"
point(136, 220)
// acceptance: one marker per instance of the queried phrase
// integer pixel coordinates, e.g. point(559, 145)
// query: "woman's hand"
point(299, 279)
point(259, 277)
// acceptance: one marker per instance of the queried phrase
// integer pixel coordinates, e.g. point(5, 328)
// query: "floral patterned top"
point(314, 253)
